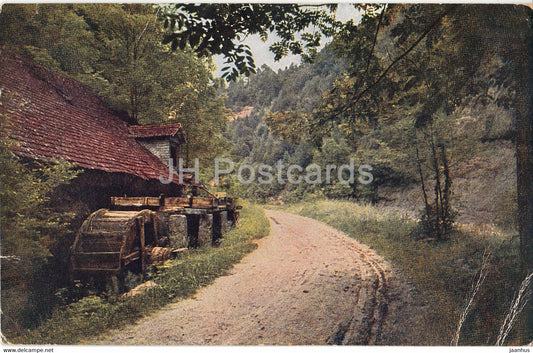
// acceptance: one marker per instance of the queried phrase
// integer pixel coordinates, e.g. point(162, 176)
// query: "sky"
point(262, 54)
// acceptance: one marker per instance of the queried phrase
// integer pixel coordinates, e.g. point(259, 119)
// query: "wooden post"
point(140, 226)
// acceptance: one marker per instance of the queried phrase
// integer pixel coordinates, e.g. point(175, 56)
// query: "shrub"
point(442, 270)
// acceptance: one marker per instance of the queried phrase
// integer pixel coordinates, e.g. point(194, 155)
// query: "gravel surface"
point(306, 284)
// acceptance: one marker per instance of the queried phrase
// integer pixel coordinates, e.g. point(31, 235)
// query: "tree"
point(524, 148)
point(438, 217)
point(441, 58)
point(34, 231)
point(218, 29)
point(290, 126)
point(467, 49)
point(126, 49)
point(53, 36)
point(437, 58)
point(116, 49)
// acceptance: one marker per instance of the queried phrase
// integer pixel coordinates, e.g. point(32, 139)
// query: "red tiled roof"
point(53, 116)
point(140, 131)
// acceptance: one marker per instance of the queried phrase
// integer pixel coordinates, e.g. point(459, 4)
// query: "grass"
point(443, 271)
point(94, 315)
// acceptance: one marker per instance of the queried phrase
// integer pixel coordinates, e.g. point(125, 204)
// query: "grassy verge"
point(442, 271)
point(93, 315)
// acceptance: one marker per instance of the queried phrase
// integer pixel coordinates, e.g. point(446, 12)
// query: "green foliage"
point(33, 228)
point(453, 66)
point(277, 129)
point(289, 126)
point(442, 271)
point(54, 36)
point(218, 29)
point(257, 90)
point(116, 50)
point(296, 88)
point(29, 224)
point(421, 59)
point(93, 315)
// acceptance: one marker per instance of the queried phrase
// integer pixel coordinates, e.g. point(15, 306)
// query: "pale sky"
point(262, 55)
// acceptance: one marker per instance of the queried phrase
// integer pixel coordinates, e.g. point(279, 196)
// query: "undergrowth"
point(442, 271)
point(180, 278)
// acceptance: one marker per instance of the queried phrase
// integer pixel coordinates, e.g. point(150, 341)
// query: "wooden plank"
point(83, 253)
point(103, 233)
point(140, 229)
point(91, 240)
point(177, 202)
point(185, 211)
point(203, 202)
point(136, 255)
point(180, 250)
point(110, 270)
point(136, 201)
point(110, 226)
point(99, 246)
point(129, 214)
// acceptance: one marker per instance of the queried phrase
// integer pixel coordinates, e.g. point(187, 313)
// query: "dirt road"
point(307, 283)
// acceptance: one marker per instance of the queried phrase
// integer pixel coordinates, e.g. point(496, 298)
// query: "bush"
point(32, 229)
point(433, 225)
point(442, 270)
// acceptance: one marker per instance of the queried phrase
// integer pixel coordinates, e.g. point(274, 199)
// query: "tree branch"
point(375, 38)
point(405, 53)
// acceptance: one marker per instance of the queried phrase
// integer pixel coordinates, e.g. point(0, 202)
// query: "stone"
point(141, 288)
point(177, 231)
point(224, 224)
point(205, 230)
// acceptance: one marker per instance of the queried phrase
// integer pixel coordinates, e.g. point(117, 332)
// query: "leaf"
point(183, 42)
point(167, 39)
point(193, 40)
point(174, 44)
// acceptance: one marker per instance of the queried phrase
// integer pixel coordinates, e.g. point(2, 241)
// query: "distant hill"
point(298, 87)
point(483, 174)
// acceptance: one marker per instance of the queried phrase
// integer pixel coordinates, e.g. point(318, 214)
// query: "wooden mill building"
point(52, 116)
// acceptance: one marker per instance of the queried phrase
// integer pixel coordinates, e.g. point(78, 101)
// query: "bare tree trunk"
point(438, 191)
point(524, 154)
point(524, 151)
point(447, 189)
point(419, 163)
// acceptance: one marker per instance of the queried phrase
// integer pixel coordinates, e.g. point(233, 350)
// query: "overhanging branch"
point(404, 54)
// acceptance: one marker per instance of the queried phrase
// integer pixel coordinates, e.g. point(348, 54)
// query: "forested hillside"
point(263, 100)
point(117, 50)
point(430, 97)
point(302, 115)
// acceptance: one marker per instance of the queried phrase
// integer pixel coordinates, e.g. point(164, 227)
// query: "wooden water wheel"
point(109, 241)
